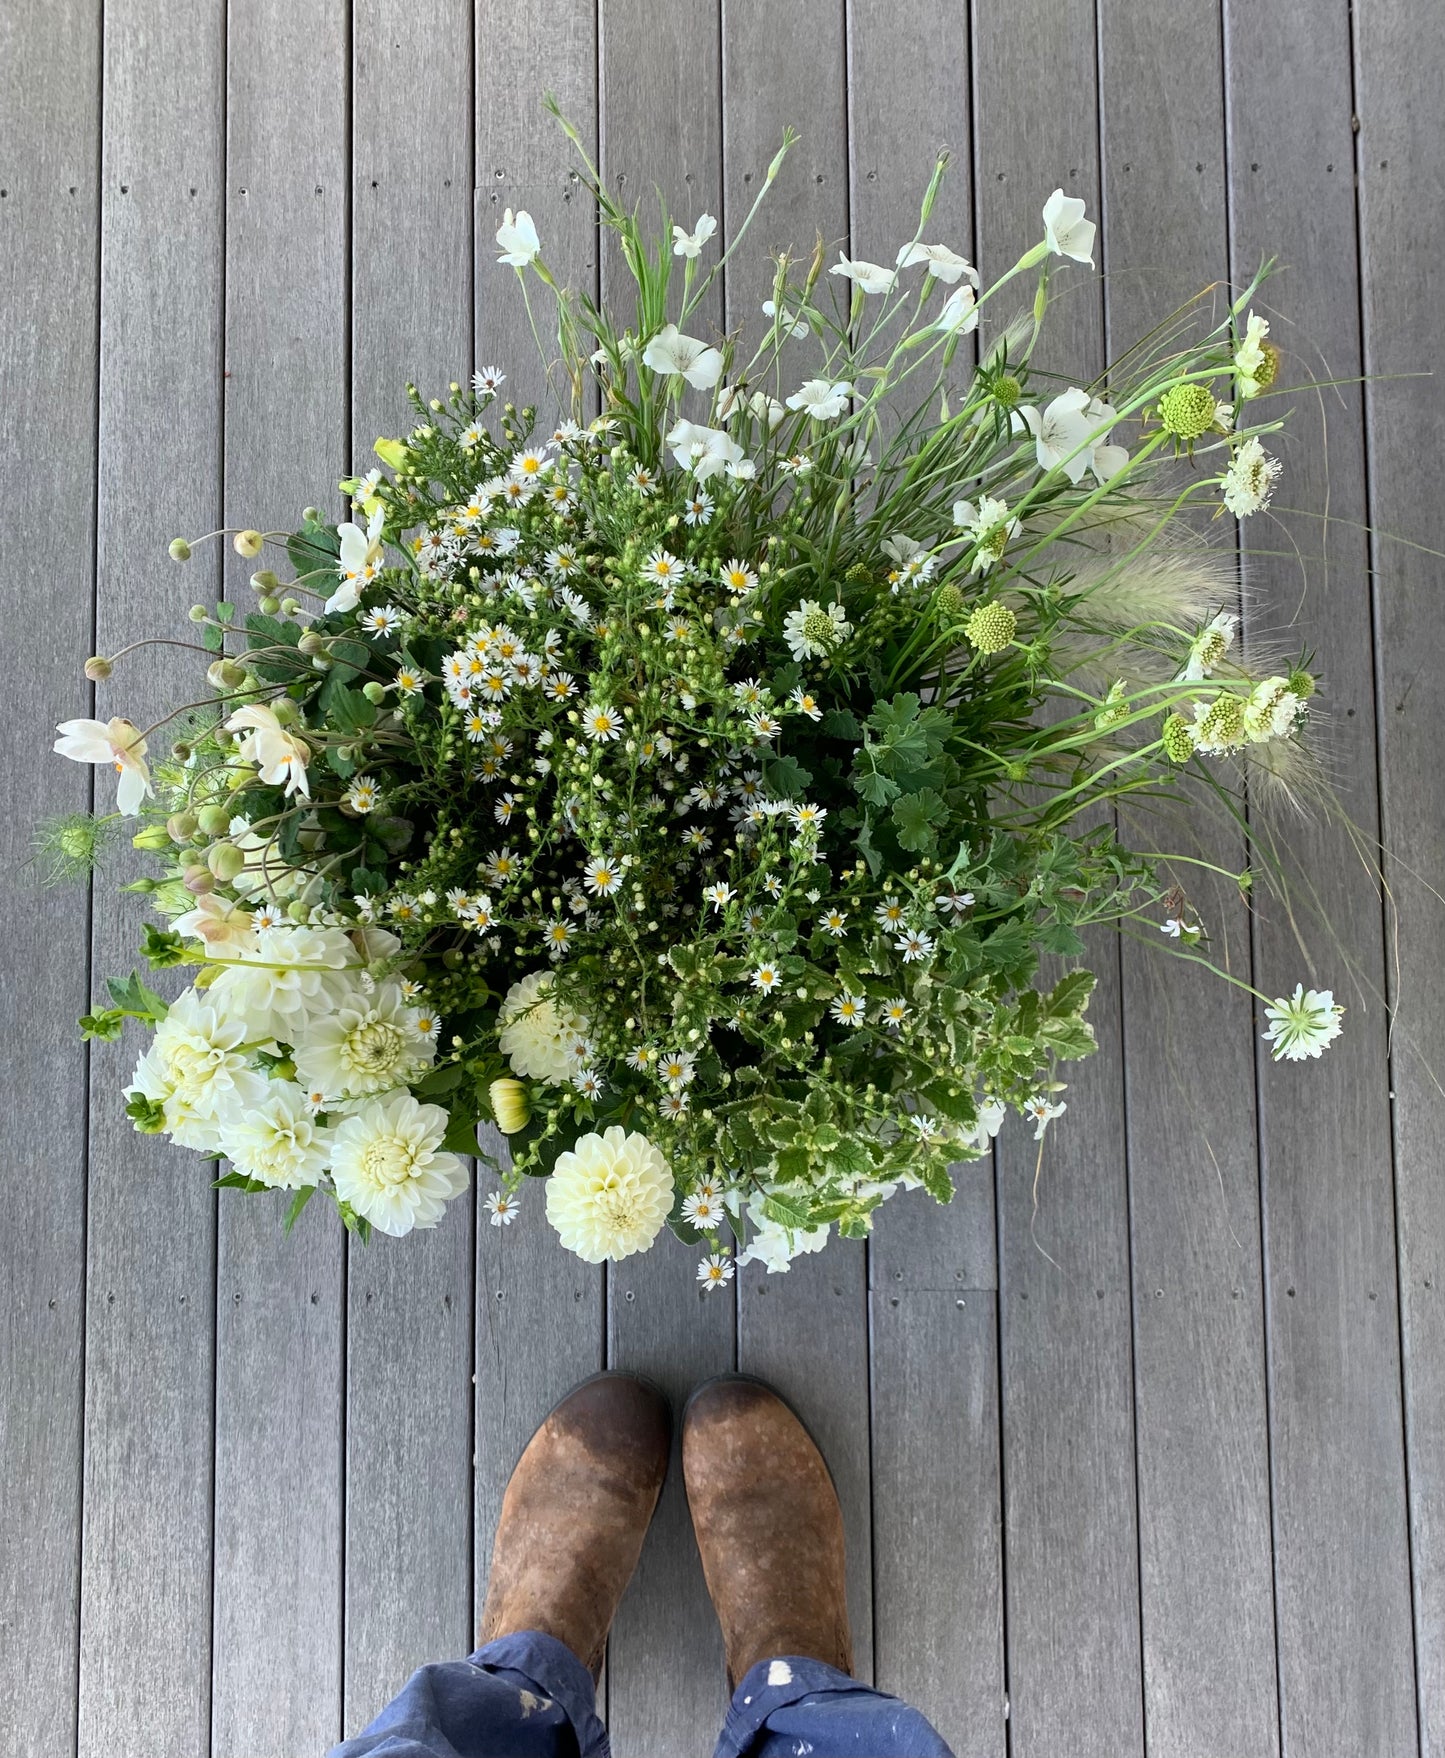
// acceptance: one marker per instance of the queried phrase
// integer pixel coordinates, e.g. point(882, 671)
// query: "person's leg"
point(573, 1519)
point(770, 1533)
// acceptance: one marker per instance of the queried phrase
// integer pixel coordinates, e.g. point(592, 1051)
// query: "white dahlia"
point(196, 1068)
point(388, 1163)
point(277, 1139)
point(369, 1044)
point(537, 1030)
point(609, 1196)
point(284, 979)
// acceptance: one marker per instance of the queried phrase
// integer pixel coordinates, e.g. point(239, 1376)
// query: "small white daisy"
point(362, 795)
point(766, 978)
point(807, 819)
point(914, 946)
point(602, 876)
point(848, 1010)
point(702, 1212)
point(834, 922)
point(714, 1271)
point(893, 1013)
point(384, 619)
point(504, 1208)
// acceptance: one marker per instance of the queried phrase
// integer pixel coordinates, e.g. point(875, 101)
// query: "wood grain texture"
point(409, 1333)
point(1341, 1541)
point(658, 140)
point(49, 172)
point(1400, 70)
point(1064, 1286)
point(806, 1331)
point(280, 1364)
point(150, 1357)
point(1207, 1592)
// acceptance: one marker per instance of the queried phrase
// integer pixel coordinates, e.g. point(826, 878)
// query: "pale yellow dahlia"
point(609, 1196)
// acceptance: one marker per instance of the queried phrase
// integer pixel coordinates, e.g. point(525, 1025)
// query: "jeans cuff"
point(772, 1685)
point(554, 1671)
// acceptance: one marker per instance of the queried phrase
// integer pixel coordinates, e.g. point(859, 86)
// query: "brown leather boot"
point(575, 1512)
point(768, 1525)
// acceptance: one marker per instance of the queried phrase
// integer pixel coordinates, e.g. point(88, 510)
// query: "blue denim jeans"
point(528, 1696)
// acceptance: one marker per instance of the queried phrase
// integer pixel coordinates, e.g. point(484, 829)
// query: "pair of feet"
point(768, 1525)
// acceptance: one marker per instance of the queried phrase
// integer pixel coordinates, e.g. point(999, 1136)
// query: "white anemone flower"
point(359, 561)
point(872, 277)
point(277, 1140)
point(518, 239)
point(670, 351)
point(199, 1071)
point(536, 1030)
point(1067, 231)
point(690, 243)
point(224, 927)
point(1061, 433)
point(279, 755)
point(823, 399)
point(388, 1164)
point(117, 742)
point(959, 315)
point(610, 1195)
point(943, 264)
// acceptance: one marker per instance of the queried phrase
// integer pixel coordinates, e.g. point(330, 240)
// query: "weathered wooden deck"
point(1161, 1468)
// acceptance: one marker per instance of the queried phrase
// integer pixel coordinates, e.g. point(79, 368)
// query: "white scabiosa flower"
point(989, 525)
point(387, 1162)
point(1209, 646)
point(369, 1044)
point(1300, 1025)
point(812, 630)
point(198, 1071)
point(1249, 481)
point(1067, 231)
point(537, 1029)
point(609, 1196)
point(277, 1140)
point(117, 742)
point(1273, 710)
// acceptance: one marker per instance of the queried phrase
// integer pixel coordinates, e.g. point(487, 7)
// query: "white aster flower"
point(197, 1069)
point(834, 922)
point(388, 1163)
point(503, 1206)
point(714, 1271)
point(806, 703)
point(690, 243)
point(893, 1013)
point(822, 399)
point(670, 351)
point(943, 264)
point(914, 946)
point(1249, 480)
point(603, 724)
point(518, 239)
point(362, 794)
point(279, 755)
point(276, 1139)
point(872, 277)
point(602, 875)
point(609, 1196)
point(766, 978)
point(1301, 1024)
point(384, 619)
point(703, 1211)
point(1066, 230)
point(806, 820)
point(117, 742)
point(536, 1029)
point(848, 1010)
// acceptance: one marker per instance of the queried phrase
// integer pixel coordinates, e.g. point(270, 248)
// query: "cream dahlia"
point(609, 1196)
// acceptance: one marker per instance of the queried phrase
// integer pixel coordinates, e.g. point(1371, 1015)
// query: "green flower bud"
point(1302, 684)
point(310, 515)
point(1177, 739)
point(265, 580)
point(199, 882)
point(859, 574)
point(98, 669)
point(154, 837)
point(1007, 391)
point(374, 692)
point(198, 613)
point(214, 820)
point(226, 861)
point(180, 550)
point(311, 643)
point(225, 675)
point(248, 543)
point(181, 826)
point(948, 602)
point(181, 751)
point(1186, 411)
point(268, 606)
point(990, 628)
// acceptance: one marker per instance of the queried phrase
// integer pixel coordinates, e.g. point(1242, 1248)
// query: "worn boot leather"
point(768, 1525)
point(575, 1513)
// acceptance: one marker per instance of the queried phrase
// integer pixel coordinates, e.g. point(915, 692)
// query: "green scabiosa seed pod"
point(1187, 411)
point(1177, 739)
point(990, 628)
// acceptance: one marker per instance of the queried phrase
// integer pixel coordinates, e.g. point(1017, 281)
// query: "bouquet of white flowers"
point(693, 793)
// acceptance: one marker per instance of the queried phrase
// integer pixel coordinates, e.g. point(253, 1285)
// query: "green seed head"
point(1268, 367)
point(1302, 685)
point(1177, 739)
point(818, 628)
point(949, 602)
point(990, 628)
point(1187, 411)
point(859, 574)
point(1007, 391)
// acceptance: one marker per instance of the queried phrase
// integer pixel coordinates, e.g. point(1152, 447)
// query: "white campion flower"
point(279, 755)
point(610, 1195)
point(943, 264)
point(732, 399)
point(224, 927)
point(670, 351)
point(1105, 460)
point(821, 398)
point(959, 315)
point(1209, 646)
point(277, 1140)
point(388, 1163)
point(1066, 230)
point(1300, 1025)
point(690, 243)
point(1061, 432)
point(518, 239)
point(285, 980)
point(358, 562)
point(199, 1071)
point(872, 277)
point(705, 451)
point(536, 1030)
point(367, 1045)
point(117, 742)
point(790, 324)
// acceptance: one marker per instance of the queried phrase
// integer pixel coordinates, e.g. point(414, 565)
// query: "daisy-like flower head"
point(813, 630)
point(890, 913)
point(672, 1105)
point(488, 381)
point(764, 726)
point(957, 903)
point(796, 464)
point(383, 619)
point(714, 1271)
point(675, 1067)
point(848, 1010)
point(893, 1013)
point(642, 479)
point(664, 569)
point(602, 876)
point(561, 686)
point(1302, 1024)
point(529, 465)
point(602, 723)
point(806, 703)
point(699, 509)
point(738, 577)
point(719, 895)
point(388, 1163)
point(834, 922)
point(807, 819)
point(609, 1196)
point(362, 794)
point(766, 978)
point(914, 945)
point(703, 1212)
point(588, 1082)
point(503, 1206)
point(1041, 1111)
point(642, 1058)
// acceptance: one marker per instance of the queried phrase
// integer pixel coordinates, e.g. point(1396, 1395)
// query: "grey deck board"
point(1155, 1467)
point(1340, 1530)
point(50, 154)
point(1401, 164)
point(150, 1333)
